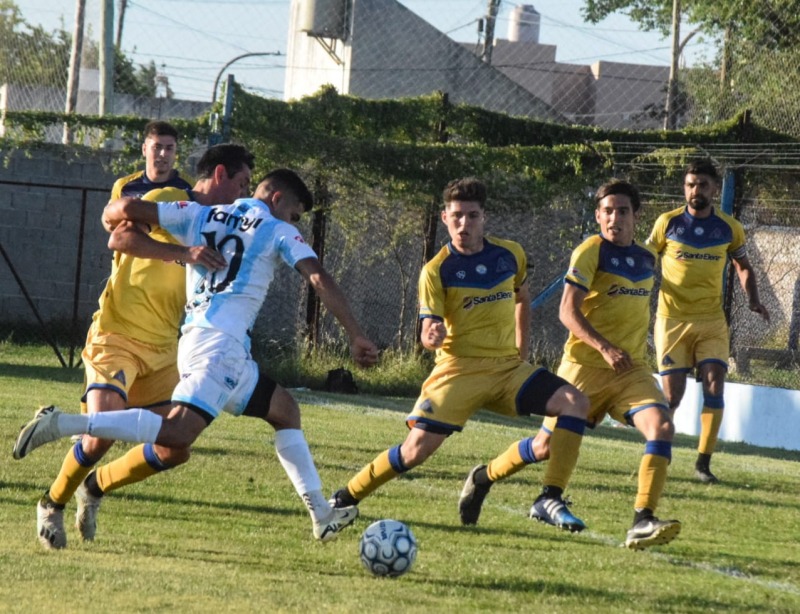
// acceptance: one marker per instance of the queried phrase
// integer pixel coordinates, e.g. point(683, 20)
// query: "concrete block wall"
point(43, 195)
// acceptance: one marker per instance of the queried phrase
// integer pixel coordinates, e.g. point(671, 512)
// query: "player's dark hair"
point(284, 179)
point(619, 186)
point(466, 188)
point(160, 128)
point(702, 166)
point(233, 157)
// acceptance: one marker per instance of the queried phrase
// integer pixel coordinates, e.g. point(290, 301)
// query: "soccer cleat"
point(705, 476)
point(342, 499)
point(327, 530)
point(39, 431)
point(472, 496)
point(554, 511)
point(86, 515)
point(652, 532)
point(50, 524)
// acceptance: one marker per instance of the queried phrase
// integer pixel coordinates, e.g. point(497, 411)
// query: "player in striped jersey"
point(475, 311)
point(131, 350)
point(606, 308)
point(253, 236)
point(695, 243)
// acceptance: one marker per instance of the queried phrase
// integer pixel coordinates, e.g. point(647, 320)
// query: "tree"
point(773, 24)
point(30, 55)
point(759, 43)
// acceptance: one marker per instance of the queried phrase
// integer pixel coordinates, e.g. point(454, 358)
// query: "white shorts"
point(217, 373)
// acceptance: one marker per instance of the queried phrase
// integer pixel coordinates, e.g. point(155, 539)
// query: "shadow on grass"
point(54, 374)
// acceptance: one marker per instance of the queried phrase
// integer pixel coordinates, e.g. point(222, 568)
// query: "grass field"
point(226, 533)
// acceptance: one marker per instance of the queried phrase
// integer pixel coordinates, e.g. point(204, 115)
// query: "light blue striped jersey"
point(252, 241)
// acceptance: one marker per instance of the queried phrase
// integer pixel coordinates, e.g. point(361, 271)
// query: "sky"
point(190, 41)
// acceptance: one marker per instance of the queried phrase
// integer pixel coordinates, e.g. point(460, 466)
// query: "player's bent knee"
point(172, 457)
point(95, 448)
point(568, 401)
point(666, 430)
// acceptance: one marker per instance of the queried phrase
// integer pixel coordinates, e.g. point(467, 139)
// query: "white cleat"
point(340, 517)
point(86, 515)
point(652, 532)
point(39, 431)
point(50, 525)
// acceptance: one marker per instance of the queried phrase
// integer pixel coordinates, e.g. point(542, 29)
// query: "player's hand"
point(205, 256)
point(364, 352)
point(760, 310)
point(434, 336)
point(618, 358)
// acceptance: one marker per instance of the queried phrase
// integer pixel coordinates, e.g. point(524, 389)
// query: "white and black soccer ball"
point(388, 548)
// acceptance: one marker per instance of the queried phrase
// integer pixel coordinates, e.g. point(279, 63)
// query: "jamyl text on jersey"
point(236, 222)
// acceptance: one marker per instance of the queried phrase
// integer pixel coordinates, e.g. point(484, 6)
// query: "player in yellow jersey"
point(695, 243)
point(160, 148)
point(606, 308)
point(131, 351)
point(475, 311)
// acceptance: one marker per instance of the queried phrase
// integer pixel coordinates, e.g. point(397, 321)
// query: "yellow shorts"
point(144, 375)
point(458, 387)
point(682, 346)
point(619, 396)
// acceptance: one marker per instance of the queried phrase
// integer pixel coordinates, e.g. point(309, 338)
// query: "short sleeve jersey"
point(252, 241)
point(137, 184)
point(475, 296)
point(144, 298)
point(694, 252)
point(618, 282)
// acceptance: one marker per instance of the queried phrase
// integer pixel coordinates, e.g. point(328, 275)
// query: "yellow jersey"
point(137, 184)
point(475, 296)
point(694, 252)
point(618, 282)
point(143, 298)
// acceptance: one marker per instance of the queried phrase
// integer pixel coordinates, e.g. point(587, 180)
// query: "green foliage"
point(398, 374)
point(42, 57)
point(773, 25)
point(32, 56)
point(25, 130)
point(757, 80)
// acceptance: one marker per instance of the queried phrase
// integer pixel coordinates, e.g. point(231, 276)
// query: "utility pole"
point(106, 56)
point(670, 113)
point(123, 4)
point(488, 40)
point(73, 79)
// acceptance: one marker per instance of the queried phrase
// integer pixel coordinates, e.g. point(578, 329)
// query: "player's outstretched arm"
point(129, 209)
point(364, 351)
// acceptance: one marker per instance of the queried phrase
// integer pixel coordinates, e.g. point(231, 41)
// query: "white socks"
point(293, 452)
point(134, 425)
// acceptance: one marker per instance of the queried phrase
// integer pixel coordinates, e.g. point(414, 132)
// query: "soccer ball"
point(388, 548)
